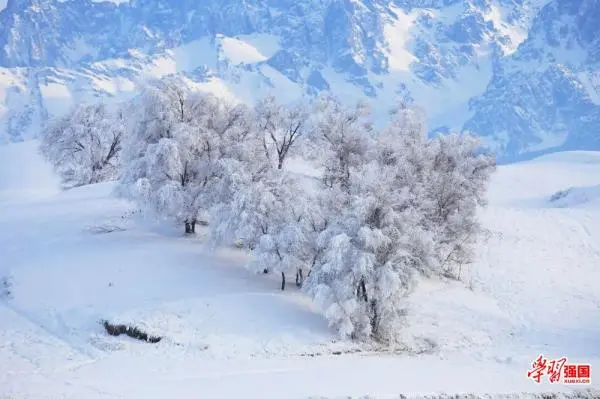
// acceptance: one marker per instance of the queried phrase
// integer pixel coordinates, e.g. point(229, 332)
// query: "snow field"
point(76, 257)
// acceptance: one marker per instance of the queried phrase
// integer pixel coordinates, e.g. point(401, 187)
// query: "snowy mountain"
point(523, 73)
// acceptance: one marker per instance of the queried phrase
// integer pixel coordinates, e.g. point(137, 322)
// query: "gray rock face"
point(524, 74)
point(546, 96)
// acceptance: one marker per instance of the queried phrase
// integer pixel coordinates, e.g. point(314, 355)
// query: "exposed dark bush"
point(5, 288)
point(130, 331)
point(560, 195)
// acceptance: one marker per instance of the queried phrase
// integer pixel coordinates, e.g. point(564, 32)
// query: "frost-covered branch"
point(84, 146)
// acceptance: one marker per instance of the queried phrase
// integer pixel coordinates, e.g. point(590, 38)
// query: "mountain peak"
point(468, 63)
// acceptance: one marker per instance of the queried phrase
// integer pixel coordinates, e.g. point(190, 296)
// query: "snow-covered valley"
point(73, 258)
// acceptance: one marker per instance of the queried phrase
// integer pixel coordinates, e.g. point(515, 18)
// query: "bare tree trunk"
point(299, 277)
point(361, 290)
point(190, 226)
point(374, 317)
point(282, 281)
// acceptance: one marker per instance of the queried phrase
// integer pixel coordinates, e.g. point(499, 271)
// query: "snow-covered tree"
point(320, 207)
point(266, 208)
point(368, 256)
point(265, 214)
point(84, 146)
point(341, 138)
point(159, 165)
point(339, 141)
point(231, 153)
point(184, 152)
point(280, 128)
point(386, 231)
point(449, 174)
point(457, 185)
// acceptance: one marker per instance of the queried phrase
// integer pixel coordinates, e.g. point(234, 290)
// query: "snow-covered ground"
point(71, 259)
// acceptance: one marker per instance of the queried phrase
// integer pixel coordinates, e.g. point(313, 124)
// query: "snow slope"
point(34, 180)
point(74, 258)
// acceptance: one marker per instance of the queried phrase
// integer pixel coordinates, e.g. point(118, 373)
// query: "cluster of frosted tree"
point(84, 146)
point(391, 205)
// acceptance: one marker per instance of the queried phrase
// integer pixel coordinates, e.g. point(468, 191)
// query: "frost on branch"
point(84, 146)
point(408, 210)
point(279, 128)
point(266, 210)
point(458, 182)
point(341, 138)
point(278, 212)
point(181, 151)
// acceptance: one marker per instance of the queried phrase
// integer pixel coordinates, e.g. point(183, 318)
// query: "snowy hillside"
point(71, 259)
point(522, 73)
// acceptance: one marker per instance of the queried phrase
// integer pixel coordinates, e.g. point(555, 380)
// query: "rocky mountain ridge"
point(524, 74)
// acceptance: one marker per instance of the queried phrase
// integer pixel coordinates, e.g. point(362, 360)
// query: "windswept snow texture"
point(74, 258)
